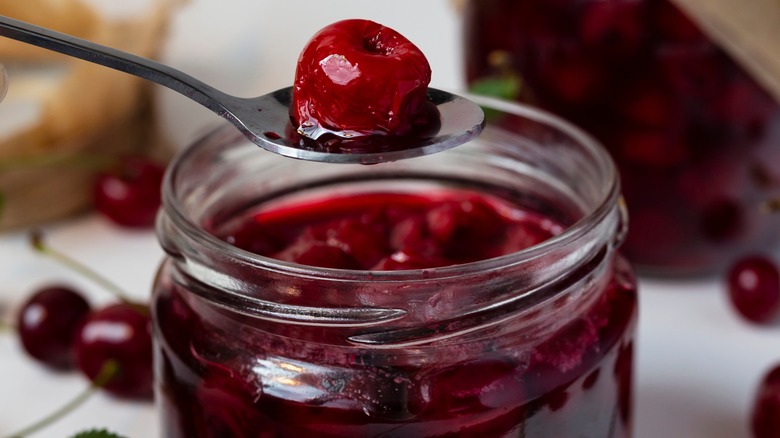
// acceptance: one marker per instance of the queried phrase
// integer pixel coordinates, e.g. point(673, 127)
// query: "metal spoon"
point(264, 120)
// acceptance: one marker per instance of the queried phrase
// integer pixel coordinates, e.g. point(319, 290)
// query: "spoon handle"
point(115, 59)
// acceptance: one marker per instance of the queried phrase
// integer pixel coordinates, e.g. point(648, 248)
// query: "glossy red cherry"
point(360, 78)
point(47, 322)
point(119, 333)
point(765, 418)
point(129, 195)
point(754, 288)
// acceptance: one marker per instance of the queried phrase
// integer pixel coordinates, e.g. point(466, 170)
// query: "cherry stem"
point(771, 206)
point(37, 242)
point(6, 327)
point(107, 371)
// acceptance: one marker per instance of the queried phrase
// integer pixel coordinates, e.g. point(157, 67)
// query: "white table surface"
point(697, 363)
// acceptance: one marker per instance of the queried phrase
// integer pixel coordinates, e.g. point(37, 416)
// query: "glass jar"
point(534, 343)
point(696, 140)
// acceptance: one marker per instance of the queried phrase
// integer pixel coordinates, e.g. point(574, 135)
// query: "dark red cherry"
point(363, 238)
point(573, 78)
point(618, 26)
point(227, 403)
point(651, 147)
point(649, 102)
point(119, 333)
point(520, 237)
point(254, 238)
point(129, 195)
point(462, 226)
point(475, 387)
point(568, 348)
point(754, 288)
point(765, 419)
point(468, 219)
point(47, 322)
point(361, 77)
point(316, 253)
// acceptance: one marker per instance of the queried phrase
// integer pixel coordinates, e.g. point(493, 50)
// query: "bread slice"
point(68, 16)
point(59, 111)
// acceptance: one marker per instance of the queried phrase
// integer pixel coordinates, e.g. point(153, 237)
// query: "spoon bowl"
point(265, 120)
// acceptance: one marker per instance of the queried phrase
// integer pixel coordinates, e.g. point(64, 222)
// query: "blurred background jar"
point(696, 139)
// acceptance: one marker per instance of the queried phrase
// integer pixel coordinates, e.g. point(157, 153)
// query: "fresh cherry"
point(46, 324)
point(765, 418)
point(130, 194)
point(121, 333)
point(360, 78)
point(754, 288)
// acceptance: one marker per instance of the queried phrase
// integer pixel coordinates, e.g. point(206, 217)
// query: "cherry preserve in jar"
point(696, 140)
point(476, 292)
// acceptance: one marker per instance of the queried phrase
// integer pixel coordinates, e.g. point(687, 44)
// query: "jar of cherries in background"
point(696, 139)
point(529, 333)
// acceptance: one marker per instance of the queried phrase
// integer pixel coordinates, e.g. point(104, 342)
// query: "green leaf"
point(96, 433)
point(507, 86)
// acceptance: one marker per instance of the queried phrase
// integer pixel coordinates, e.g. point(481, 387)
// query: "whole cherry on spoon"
point(436, 120)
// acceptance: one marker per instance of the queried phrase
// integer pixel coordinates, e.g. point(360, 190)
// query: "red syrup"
point(537, 374)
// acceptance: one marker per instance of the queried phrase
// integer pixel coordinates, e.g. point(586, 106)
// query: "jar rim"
point(609, 198)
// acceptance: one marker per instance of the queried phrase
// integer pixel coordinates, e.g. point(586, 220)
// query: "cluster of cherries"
point(393, 231)
point(753, 285)
point(111, 345)
point(58, 328)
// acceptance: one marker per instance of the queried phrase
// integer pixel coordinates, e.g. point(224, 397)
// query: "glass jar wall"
point(536, 342)
point(696, 140)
